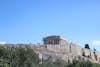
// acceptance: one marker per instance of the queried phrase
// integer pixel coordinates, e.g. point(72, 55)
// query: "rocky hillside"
point(20, 55)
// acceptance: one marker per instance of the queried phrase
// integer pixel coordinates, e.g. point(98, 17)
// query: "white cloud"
point(2, 42)
point(96, 42)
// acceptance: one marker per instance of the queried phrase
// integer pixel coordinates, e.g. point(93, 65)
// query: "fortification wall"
point(63, 42)
point(59, 48)
point(79, 51)
point(39, 48)
point(73, 48)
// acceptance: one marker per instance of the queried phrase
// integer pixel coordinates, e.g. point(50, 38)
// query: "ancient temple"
point(54, 40)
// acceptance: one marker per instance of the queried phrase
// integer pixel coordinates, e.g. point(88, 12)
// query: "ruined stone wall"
point(73, 48)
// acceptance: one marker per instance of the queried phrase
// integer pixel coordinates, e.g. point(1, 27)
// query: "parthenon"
point(54, 40)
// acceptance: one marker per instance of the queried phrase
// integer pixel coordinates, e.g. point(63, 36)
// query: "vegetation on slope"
point(21, 56)
point(73, 64)
point(24, 56)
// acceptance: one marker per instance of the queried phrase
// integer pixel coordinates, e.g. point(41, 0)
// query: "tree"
point(87, 46)
point(94, 49)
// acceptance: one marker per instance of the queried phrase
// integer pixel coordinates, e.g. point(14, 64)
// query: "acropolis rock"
point(56, 48)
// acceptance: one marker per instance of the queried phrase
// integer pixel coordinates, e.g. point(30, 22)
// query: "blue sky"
point(25, 21)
